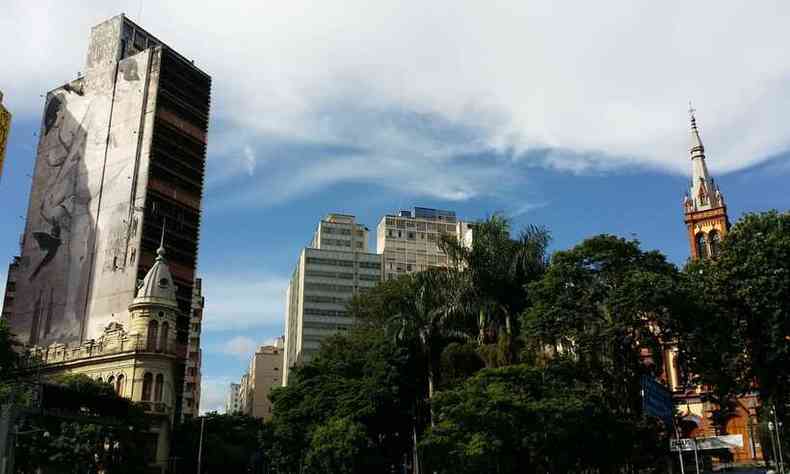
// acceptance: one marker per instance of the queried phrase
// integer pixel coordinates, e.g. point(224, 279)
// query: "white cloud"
point(239, 346)
point(237, 301)
point(213, 391)
point(405, 88)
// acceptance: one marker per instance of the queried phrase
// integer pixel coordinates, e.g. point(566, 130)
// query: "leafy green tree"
point(607, 304)
point(362, 381)
point(496, 271)
point(230, 443)
point(522, 419)
point(94, 429)
point(738, 340)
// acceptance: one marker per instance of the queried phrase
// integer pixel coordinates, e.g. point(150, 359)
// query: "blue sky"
point(553, 113)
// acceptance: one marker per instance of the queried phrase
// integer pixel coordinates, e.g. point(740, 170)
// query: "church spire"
point(703, 193)
point(704, 211)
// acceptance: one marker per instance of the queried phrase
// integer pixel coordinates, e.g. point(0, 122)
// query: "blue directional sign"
point(657, 400)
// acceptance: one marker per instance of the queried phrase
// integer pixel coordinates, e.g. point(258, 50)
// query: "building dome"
point(157, 287)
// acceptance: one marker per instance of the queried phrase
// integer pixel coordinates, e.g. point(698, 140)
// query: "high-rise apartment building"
point(336, 266)
point(232, 405)
point(409, 240)
point(121, 155)
point(5, 129)
point(265, 373)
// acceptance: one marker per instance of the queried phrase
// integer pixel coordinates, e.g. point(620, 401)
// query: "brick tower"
point(704, 210)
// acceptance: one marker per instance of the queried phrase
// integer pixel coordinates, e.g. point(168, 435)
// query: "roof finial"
point(692, 110)
point(160, 252)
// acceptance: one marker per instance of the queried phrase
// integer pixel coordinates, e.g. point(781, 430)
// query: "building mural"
point(80, 222)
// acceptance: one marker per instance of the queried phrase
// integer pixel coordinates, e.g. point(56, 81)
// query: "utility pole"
point(778, 440)
point(200, 444)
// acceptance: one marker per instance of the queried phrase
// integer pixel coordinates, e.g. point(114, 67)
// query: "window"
point(160, 382)
point(111, 380)
point(119, 385)
point(714, 241)
point(148, 381)
point(153, 330)
point(163, 337)
point(702, 248)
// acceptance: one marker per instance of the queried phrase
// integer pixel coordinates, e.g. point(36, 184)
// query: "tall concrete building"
point(265, 373)
point(194, 355)
point(232, 405)
point(409, 240)
point(122, 150)
point(336, 266)
point(5, 129)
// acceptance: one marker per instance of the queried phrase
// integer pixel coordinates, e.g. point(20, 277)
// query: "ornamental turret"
point(154, 310)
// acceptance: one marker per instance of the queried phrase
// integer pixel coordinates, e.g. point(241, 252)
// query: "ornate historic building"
point(141, 362)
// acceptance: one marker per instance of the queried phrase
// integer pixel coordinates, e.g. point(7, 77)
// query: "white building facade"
point(409, 240)
point(335, 267)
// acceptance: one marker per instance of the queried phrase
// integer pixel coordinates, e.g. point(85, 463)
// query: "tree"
point(361, 381)
point(739, 338)
point(85, 427)
point(607, 304)
point(496, 271)
point(522, 419)
point(230, 442)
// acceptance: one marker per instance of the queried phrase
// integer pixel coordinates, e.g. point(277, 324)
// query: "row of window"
point(341, 243)
point(329, 287)
point(156, 383)
point(325, 299)
point(411, 235)
point(342, 263)
point(708, 245)
point(116, 382)
point(324, 312)
point(325, 274)
point(157, 336)
point(423, 226)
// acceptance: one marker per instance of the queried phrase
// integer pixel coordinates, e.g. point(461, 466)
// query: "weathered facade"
point(121, 154)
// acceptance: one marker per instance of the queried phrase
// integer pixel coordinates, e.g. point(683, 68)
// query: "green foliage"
point(231, 443)
point(739, 339)
point(336, 446)
point(361, 381)
point(526, 419)
point(108, 432)
point(607, 304)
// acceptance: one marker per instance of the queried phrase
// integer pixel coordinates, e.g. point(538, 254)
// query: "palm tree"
point(496, 270)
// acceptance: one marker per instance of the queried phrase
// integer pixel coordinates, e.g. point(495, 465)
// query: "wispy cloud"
point(239, 346)
point(238, 301)
point(213, 392)
point(400, 94)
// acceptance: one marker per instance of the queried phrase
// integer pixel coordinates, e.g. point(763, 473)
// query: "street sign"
point(657, 400)
point(707, 444)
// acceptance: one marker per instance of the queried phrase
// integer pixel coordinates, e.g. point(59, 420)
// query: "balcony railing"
point(105, 346)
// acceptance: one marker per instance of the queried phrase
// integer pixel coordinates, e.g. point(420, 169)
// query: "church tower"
point(704, 210)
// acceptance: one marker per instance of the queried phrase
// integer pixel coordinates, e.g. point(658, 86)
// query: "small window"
point(163, 282)
point(702, 247)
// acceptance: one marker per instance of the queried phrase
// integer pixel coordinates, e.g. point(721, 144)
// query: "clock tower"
point(704, 211)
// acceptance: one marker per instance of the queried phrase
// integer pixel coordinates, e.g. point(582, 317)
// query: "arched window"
point(153, 329)
point(111, 381)
point(702, 247)
point(163, 337)
point(160, 382)
point(119, 385)
point(148, 381)
point(714, 241)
